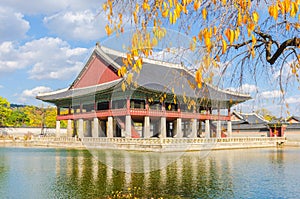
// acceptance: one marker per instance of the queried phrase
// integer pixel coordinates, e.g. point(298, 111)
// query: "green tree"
point(34, 115)
point(50, 117)
point(17, 118)
point(5, 111)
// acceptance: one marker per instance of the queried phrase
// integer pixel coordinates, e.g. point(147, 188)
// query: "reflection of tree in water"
point(277, 157)
point(189, 176)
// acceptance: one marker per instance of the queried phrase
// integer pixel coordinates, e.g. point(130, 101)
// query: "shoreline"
point(150, 145)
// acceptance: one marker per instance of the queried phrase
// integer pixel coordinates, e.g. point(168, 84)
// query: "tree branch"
point(290, 42)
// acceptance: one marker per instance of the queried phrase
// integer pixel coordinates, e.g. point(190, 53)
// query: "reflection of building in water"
point(147, 169)
point(95, 168)
point(127, 168)
point(165, 100)
point(179, 168)
point(108, 161)
point(186, 174)
point(57, 163)
point(80, 165)
point(69, 164)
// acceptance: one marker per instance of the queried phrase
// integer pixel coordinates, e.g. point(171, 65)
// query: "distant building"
point(249, 125)
point(293, 128)
point(163, 101)
point(254, 125)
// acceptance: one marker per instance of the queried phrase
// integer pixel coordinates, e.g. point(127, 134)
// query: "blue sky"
point(44, 45)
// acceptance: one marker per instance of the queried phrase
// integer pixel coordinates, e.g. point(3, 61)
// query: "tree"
point(267, 115)
point(5, 111)
point(34, 115)
point(17, 118)
point(252, 36)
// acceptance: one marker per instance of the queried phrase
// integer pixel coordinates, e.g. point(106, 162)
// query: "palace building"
point(162, 100)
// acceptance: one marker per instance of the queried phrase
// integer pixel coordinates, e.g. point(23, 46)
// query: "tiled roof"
point(74, 93)
point(155, 75)
point(295, 118)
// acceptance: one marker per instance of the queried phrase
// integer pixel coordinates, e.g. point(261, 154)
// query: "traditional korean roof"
point(293, 126)
point(155, 75)
point(251, 118)
point(296, 118)
point(249, 121)
point(74, 93)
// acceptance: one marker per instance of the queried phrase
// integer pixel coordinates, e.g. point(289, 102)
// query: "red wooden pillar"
point(128, 106)
point(58, 110)
point(80, 106)
point(282, 131)
point(163, 108)
point(271, 132)
point(147, 106)
point(95, 106)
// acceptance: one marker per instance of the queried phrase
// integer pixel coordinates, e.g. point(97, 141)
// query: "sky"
point(44, 44)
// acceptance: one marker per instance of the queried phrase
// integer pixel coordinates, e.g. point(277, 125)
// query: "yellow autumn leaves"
point(284, 7)
point(216, 37)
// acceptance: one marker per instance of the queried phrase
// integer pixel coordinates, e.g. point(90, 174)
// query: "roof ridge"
point(258, 115)
point(171, 65)
point(145, 59)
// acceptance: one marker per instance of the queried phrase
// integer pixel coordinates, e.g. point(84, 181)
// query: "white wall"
point(22, 131)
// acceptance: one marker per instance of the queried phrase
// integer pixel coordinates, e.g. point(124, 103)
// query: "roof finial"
point(97, 44)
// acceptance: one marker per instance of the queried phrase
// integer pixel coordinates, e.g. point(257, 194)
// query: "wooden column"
point(95, 130)
point(128, 106)
point(178, 128)
point(69, 128)
point(229, 129)
point(70, 110)
point(58, 110)
point(127, 126)
point(163, 127)
point(147, 127)
point(57, 128)
point(194, 128)
point(102, 128)
point(219, 129)
point(88, 128)
point(207, 129)
point(128, 119)
point(110, 132)
point(80, 128)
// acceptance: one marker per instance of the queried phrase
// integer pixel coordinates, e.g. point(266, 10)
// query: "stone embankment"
point(151, 144)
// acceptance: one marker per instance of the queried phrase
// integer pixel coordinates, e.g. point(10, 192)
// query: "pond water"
point(66, 173)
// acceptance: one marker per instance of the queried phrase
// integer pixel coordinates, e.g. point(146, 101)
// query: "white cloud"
point(249, 88)
point(13, 26)
point(46, 58)
point(33, 92)
point(50, 6)
point(270, 94)
point(30, 94)
point(1, 86)
point(245, 88)
point(80, 25)
point(292, 100)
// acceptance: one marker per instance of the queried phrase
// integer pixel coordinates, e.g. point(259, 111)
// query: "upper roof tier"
point(99, 75)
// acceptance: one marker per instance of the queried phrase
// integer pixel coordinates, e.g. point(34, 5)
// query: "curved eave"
point(67, 94)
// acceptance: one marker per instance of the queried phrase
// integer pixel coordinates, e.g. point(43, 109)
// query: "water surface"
point(63, 173)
